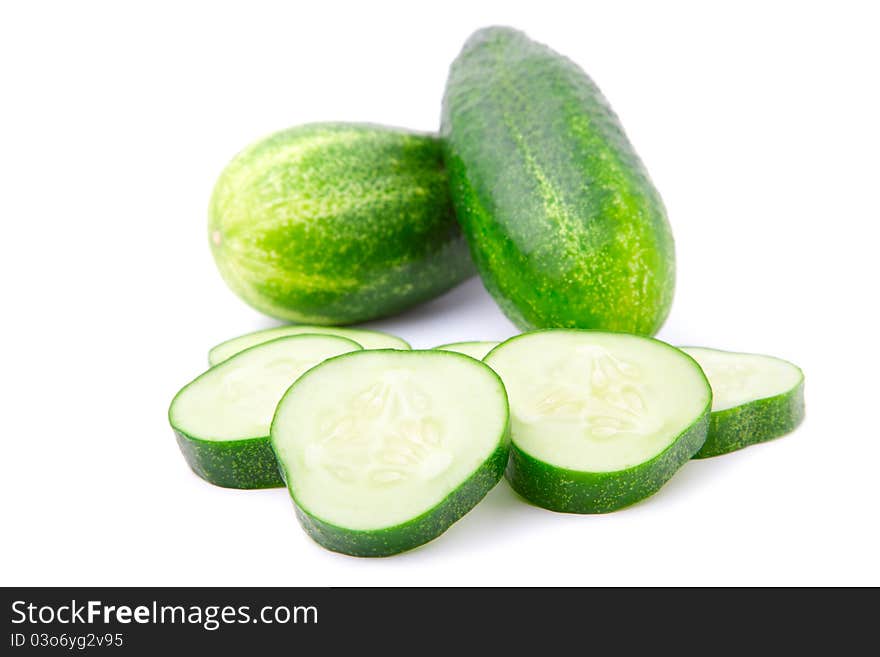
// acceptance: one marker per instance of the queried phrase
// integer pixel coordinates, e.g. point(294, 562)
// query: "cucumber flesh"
point(598, 420)
point(222, 418)
point(383, 450)
point(755, 398)
point(474, 349)
point(365, 338)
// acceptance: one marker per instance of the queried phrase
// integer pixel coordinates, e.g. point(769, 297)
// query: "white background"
point(758, 123)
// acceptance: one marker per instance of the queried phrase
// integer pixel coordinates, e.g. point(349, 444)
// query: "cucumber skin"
point(247, 463)
point(415, 532)
point(360, 227)
point(754, 422)
point(564, 225)
point(571, 491)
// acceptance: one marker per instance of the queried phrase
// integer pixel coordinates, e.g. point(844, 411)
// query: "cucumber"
point(755, 398)
point(599, 420)
point(337, 223)
point(221, 418)
point(475, 349)
point(383, 450)
point(366, 339)
point(564, 225)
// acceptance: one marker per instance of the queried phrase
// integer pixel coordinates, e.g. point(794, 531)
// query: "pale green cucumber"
point(337, 223)
point(365, 338)
point(755, 398)
point(222, 418)
point(599, 420)
point(383, 450)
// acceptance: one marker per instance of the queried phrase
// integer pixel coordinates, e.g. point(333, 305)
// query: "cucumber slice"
point(755, 398)
point(474, 349)
point(598, 420)
point(383, 450)
point(222, 418)
point(366, 339)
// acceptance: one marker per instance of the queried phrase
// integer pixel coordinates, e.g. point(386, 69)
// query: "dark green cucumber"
point(384, 452)
point(221, 419)
point(599, 420)
point(563, 222)
point(755, 398)
point(337, 223)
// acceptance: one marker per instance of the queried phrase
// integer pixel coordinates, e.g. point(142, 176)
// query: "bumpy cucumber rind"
point(337, 223)
point(564, 224)
point(754, 422)
point(246, 464)
point(415, 532)
point(571, 491)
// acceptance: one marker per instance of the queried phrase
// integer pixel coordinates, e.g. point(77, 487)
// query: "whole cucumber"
point(563, 222)
point(337, 223)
